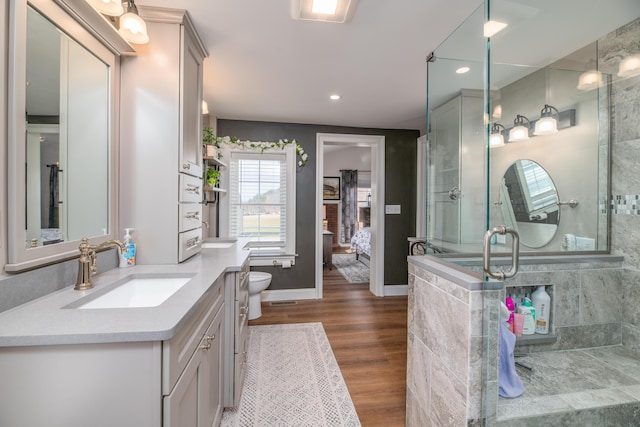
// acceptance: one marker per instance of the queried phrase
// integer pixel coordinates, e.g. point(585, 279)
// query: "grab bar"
point(515, 252)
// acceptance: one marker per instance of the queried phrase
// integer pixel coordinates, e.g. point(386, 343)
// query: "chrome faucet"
point(87, 261)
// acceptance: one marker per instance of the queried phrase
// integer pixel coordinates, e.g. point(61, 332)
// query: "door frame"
point(377, 145)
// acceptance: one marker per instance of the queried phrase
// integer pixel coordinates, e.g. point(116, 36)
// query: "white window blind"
point(258, 198)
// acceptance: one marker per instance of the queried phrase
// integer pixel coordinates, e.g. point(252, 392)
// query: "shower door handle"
point(515, 252)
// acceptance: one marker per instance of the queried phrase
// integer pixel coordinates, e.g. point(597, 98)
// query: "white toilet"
point(258, 282)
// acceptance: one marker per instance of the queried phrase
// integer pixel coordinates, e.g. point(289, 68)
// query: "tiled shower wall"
point(625, 179)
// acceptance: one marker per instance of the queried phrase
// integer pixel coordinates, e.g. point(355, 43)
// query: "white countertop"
point(44, 321)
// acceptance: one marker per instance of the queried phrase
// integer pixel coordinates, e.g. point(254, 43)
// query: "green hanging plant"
point(209, 137)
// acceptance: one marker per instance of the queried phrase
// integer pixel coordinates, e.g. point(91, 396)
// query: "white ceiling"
point(265, 66)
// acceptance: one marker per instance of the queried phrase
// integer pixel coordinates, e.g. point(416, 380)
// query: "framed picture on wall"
point(331, 188)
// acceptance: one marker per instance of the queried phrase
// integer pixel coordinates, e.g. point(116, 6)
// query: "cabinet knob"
point(206, 346)
point(244, 310)
point(186, 166)
point(210, 338)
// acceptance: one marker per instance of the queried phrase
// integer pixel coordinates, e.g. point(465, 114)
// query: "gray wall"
point(400, 189)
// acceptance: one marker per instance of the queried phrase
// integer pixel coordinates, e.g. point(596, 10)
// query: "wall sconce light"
point(205, 107)
point(520, 129)
point(496, 139)
point(629, 66)
point(547, 124)
point(590, 79)
point(133, 28)
point(107, 7)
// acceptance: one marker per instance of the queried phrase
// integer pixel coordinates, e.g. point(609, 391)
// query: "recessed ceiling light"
point(325, 7)
point(340, 11)
point(463, 70)
point(491, 28)
point(334, 97)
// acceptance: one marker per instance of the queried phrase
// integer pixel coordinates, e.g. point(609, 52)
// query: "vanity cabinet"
point(171, 383)
point(192, 369)
point(237, 334)
point(161, 188)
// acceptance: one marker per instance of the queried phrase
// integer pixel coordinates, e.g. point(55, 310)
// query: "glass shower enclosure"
point(525, 101)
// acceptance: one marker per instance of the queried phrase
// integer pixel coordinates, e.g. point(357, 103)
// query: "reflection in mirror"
point(529, 203)
point(67, 140)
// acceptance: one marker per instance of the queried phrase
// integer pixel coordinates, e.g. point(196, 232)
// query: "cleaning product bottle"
point(542, 303)
point(512, 308)
point(128, 257)
point(529, 327)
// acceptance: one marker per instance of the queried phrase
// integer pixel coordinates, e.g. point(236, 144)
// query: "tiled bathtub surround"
point(444, 357)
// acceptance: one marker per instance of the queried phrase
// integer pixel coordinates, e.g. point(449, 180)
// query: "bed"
point(361, 244)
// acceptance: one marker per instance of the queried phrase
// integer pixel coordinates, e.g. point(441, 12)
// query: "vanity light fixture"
point(520, 129)
point(107, 7)
point(590, 79)
point(547, 124)
point(497, 138)
point(629, 66)
point(133, 28)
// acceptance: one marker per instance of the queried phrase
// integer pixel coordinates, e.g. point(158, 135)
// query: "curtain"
point(349, 204)
point(53, 196)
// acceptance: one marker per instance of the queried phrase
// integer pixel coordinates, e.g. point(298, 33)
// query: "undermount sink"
point(137, 291)
point(216, 245)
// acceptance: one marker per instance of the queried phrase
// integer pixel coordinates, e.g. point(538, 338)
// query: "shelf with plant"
point(209, 138)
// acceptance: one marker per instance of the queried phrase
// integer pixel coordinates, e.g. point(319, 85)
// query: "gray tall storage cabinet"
point(160, 148)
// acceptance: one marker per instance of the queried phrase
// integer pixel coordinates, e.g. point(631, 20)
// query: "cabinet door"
point(191, 104)
point(212, 369)
point(180, 408)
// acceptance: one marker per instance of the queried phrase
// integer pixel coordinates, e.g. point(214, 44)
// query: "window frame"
point(257, 248)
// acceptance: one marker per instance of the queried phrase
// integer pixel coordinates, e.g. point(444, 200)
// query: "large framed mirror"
point(63, 103)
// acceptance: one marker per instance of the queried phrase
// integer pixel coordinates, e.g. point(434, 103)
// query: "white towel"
point(568, 242)
point(585, 244)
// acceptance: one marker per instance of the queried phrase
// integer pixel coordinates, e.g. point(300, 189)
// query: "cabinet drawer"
point(190, 189)
point(190, 215)
point(177, 351)
point(189, 243)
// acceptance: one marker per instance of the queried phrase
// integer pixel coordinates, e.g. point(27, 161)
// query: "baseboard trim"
point(396, 290)
point(288, 294)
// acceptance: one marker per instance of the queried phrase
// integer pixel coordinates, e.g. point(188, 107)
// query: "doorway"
point(372, 145)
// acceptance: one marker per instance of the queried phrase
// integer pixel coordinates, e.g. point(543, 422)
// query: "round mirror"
point(529, 203)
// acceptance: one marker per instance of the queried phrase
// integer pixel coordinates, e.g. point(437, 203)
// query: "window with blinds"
point(258, 198)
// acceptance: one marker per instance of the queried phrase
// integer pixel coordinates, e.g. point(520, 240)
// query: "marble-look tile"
point(596, 398)
point(631, 296)
point(448, 397)
point(561, 372)
point(446, 285)
point(565, 303)
point(416, 416)
point(442, 323)
point(585, 336)
point(411, 299)
point(625, 235)
point(624, 167)
point(616, 45)
point(474, 391)
point(632, 390)
point(623, 359)
point(626, 124)
point(524, 406)
point(601, 296)
point(419, 371)
point(631, 336)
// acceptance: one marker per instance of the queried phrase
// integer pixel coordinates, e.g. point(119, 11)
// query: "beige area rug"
point(293, 379)
point(351, 269)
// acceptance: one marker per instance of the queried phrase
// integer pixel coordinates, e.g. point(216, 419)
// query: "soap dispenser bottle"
point(128, 257)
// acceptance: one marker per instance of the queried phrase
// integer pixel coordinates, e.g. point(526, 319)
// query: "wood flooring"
point(368, 335)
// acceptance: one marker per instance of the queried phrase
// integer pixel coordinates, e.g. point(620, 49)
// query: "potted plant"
point(209, 142)
point(213, 177)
